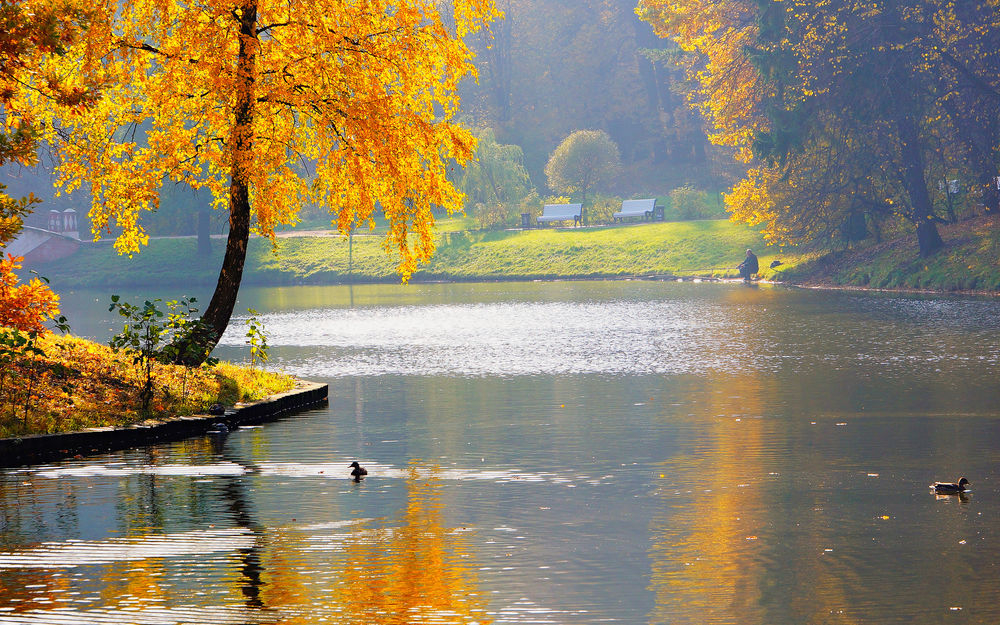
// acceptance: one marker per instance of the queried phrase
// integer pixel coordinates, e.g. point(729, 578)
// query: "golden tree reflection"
point(412, 569)
point(705, 554)
point(418, 571)
point(724, 549)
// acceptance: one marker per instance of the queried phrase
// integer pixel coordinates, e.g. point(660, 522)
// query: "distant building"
point(43, 245)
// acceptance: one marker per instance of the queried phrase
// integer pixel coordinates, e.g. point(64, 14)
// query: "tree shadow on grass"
point(229, 390)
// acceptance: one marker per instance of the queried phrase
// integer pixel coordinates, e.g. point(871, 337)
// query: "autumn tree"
point(885, 93)
point(960, 41)
point(269, 104)
point(839, 128)
point(585, 161)
point(30, 33)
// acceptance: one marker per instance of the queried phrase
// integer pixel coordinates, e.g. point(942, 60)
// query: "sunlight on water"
point(591, 453)
point(669, 336)
point(120, 470)
point(82, 553)
point(494, 339)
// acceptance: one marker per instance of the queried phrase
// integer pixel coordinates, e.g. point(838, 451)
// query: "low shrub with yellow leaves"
point(69, 383)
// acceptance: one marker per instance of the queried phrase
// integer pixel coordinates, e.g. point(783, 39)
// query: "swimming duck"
point(949, 488)
point(357, 471)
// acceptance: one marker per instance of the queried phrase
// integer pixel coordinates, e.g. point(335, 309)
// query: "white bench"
point(561, 212)
point(647, 209)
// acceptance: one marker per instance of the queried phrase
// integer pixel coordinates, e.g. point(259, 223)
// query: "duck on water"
point(357, 471)
point(952, 488)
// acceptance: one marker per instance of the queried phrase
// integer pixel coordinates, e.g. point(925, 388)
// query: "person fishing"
point(749, 266)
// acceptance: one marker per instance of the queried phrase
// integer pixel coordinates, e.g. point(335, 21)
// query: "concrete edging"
point(46, 447)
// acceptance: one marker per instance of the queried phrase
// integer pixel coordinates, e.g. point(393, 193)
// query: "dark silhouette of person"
point(749, 266)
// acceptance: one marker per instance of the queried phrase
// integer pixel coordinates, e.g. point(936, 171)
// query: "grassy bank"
point(671, 248)
point(967, 263)
point(686, 248)
point(76, 384)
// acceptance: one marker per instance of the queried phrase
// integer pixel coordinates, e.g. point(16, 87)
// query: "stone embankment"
point(48, 447)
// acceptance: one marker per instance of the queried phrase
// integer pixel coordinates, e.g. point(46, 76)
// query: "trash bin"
point(525, 220)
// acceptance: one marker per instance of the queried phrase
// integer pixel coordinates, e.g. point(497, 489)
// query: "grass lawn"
point(661, 248)
point(968, 262)
point(710, 248)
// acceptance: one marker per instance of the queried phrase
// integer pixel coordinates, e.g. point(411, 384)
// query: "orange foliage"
point(351, 105)
point(33, 30)
point(848, 110)
point(722, 32)
point(73, 383)
point(24, 307)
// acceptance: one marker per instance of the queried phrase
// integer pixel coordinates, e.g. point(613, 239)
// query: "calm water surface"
point(568, 453)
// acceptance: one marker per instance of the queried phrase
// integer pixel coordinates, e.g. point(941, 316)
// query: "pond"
point(568, 453)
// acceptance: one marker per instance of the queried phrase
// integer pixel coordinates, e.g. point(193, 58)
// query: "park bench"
point(561, 212)
point(647, 209)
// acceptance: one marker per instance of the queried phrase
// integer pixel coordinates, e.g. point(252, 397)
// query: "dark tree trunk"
point(220, 308)
point(214, 321)
point(912, 166)
point(991, 195)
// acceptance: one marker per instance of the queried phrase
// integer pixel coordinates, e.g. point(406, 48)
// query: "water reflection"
point(608, 452)
point(706, 553)
point(409, 568)
point(414, 571)
point(836, 530)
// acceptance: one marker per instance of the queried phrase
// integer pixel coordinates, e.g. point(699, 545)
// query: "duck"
point(357, 471)
point(950, 488)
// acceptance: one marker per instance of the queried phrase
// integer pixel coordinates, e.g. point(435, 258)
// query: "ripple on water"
point(218, 615)
point(620, 337)
point(72, 553)
point(123, 470)
point(383, 471)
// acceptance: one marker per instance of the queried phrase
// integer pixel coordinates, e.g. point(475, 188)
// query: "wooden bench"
point(561, 212)
point(647, 209)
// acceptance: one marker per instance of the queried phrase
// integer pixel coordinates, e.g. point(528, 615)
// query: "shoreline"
point(900, 290)
point(805, 284)
point(40, 448)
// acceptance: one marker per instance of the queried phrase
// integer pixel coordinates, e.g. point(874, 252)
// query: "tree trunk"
point(912, 166)
point(199, 344)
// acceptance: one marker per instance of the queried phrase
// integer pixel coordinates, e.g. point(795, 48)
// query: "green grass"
point(674, 248)
point(681, 248)
point(967, 263)
point(690, 248)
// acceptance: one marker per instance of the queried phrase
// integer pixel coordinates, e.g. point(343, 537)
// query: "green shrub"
point(601, 209)
point(688, 203)
point(496, 215)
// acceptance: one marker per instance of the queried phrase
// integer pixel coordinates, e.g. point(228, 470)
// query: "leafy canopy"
point(31, 32)
point(586, 160)
point(847, 109)
point(346, 103)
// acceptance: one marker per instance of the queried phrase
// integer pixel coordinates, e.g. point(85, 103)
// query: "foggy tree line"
point(853, 115)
